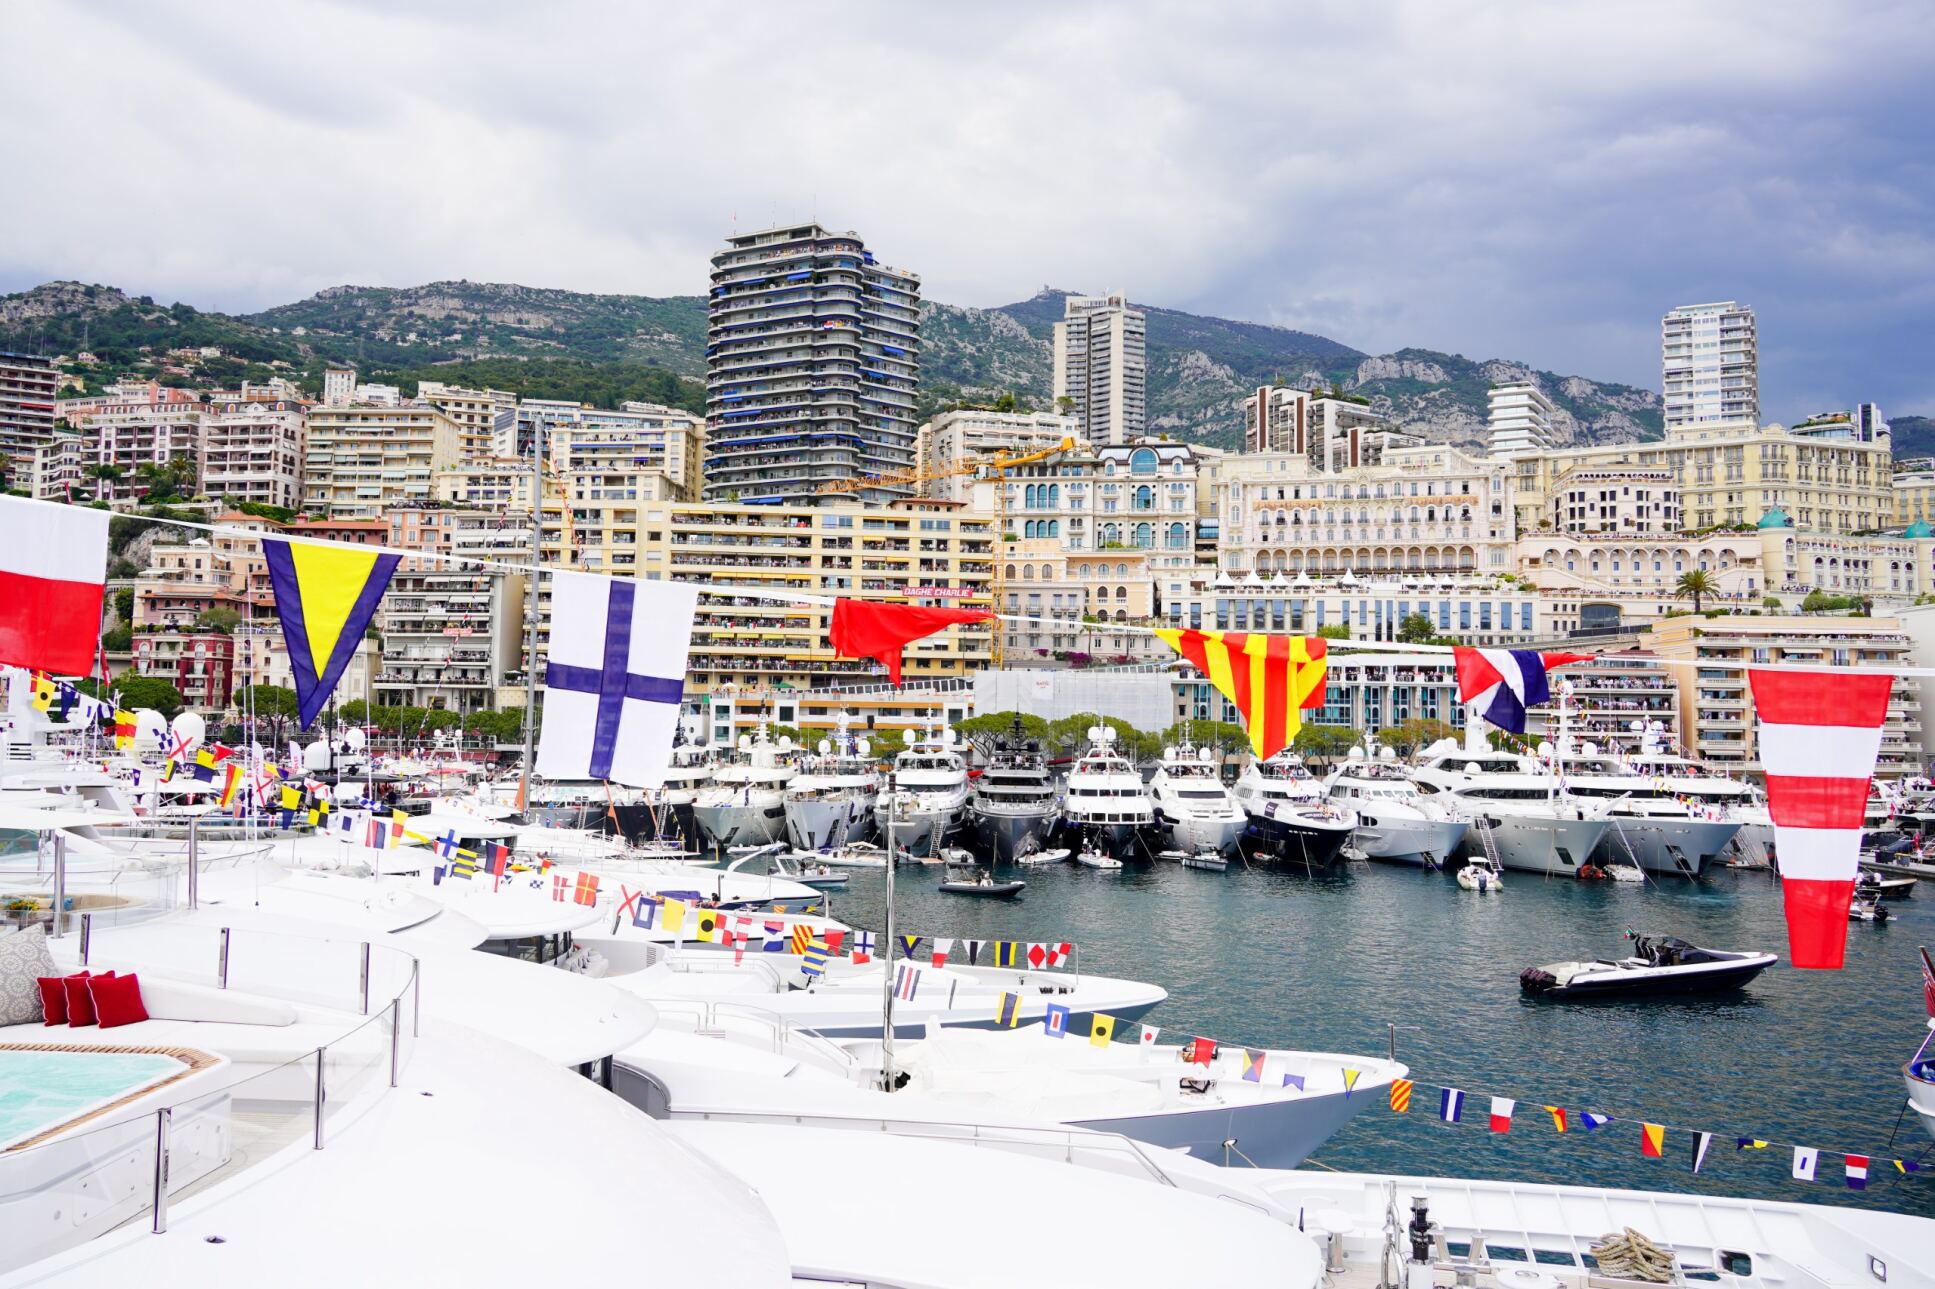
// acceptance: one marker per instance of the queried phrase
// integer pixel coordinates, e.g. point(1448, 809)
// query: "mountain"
point(551, 343)
point(1913, 436)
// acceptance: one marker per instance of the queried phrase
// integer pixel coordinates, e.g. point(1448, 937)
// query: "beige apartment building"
point(253, 451)
point(1716, 704)
point(480, 415)
point(452, 633)
point(362, 459)
point(1732, 474)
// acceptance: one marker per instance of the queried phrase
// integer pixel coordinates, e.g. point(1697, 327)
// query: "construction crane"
point(996, 468)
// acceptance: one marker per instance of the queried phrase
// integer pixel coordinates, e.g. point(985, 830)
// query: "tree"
point(1005, 403)
point(354, 712)
point(274, 707)
point(1070, 734)
point(1416, 628)
point(1415, 734)
point(1217, 734)
point(982, 732)
point(1324, 743)
point(1334, 631)
point(220, 618)
point(135, 692)
point(124, 604)
point(1694, 584)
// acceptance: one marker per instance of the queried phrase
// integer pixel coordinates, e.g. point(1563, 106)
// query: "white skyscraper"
point(1101, 367)
point(1519, 420)
point(1710, 365)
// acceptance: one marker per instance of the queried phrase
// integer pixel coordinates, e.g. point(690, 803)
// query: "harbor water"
point(1273, 959)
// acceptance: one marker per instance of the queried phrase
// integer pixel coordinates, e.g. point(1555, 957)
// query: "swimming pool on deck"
point(45, 1089)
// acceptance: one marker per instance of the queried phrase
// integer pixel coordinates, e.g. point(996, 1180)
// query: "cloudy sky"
point(1534, 181)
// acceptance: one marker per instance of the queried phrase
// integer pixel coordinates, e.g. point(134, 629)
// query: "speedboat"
point(1527, 820)
point(1659, 965)
point(1481, 874)
point(977, 880)
point(1038, 858)
point(1191, 800)
point(1093, 856)
point(1870, 909)
point(1013, 804)
point(1396, 823)
point(928, 795)
point(831, 801)
point(1289, 816)
point(1877, 886)
point(745, 804)
point(1208, 859)
point(861, 854)
point(1105, 800)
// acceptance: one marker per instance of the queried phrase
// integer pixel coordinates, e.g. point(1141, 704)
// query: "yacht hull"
point(1672, 847)
point(1292, 840)
point(739, 824)
point(1005, 834)
point(1394, 840)
point(1116, 838)
point(1194, 834)
point(923, 832)
point(1536, 844)
point(1270, 1134)
point(827, 825)
point(1919, 1075)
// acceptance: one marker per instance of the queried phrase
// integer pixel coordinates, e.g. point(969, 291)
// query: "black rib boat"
point(1661, 965)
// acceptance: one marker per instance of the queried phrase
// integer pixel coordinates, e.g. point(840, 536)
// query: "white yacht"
point(1013, 804)
point(1523, 819)
point(667, 809)
point(830, 802)
point(1191, 799)
point(929, 792)
point(1104, 799)
point(1711, 793)
point(1653, 823)
point(745, 804)
point(1396, 823)
point(1290, 818)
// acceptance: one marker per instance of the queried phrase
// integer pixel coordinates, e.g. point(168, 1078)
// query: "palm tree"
point(1695, 583)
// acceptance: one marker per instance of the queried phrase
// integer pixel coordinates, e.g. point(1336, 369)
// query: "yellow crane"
point(996, 467)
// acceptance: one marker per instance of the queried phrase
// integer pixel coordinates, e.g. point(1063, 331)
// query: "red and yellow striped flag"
point(1271, 679)
point(1401, 1095)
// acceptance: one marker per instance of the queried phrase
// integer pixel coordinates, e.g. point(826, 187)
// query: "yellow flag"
point(672, 915)
point(325, 597)
point(1102, 1032)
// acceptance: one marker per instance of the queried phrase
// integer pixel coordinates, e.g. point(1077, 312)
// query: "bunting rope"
point(1414, 654)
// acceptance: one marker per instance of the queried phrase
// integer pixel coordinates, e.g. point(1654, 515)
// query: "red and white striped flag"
point(1820, 734)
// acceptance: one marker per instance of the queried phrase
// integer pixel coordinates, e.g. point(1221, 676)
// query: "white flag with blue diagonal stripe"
point(614, 677)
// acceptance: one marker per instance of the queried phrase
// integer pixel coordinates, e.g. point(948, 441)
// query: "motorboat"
point(745, 803)
point(1104, 800)
point(1013, 804)
point(806, 869)
point(1526, 820)
point(1658, 965)
point(860, 854)
point(1209, 859)
point(1396, 823)
point(1882, 887)
point(1290, 818)
point(1481, 874)
point(1919, 1073)
point(831, 801)
point(977, 880)
point(1040, 858)
point(927, 797)
point(1870, 909)
point(1093, 856)
point(1631, 874)
point(1192, 802)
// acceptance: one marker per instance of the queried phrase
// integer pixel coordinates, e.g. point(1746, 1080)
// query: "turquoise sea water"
point(39, 1090)
point(1274, 959)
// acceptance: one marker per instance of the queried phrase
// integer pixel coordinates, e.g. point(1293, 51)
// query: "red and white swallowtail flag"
point(53, 577)
point(1820, 734)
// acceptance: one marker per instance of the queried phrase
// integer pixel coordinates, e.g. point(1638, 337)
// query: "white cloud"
point(1534, 181)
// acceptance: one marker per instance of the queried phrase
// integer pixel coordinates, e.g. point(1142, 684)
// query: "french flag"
point(53, 576)
point(1504, 682)
point(1820, 734)
point(1502, 1108)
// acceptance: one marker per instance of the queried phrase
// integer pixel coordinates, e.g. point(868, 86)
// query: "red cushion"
point(80, 1003)
point(53, 998)
point(117, 999)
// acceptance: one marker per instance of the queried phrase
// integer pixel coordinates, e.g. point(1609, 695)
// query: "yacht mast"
point(531, 608)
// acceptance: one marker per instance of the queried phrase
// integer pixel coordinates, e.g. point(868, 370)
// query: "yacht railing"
point(711, 1017)
point(169, 1145)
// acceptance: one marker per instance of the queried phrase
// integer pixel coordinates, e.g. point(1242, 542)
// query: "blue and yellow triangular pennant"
point(325, 597)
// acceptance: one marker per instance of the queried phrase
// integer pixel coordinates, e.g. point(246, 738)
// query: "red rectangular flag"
point(53, 577)
point(1820, 735)
point(865, 629)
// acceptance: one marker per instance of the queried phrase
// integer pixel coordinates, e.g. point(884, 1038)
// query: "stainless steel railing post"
point(222, 969)
point(87, 935)
point(60, 886)
point(163, 1117)
point(396, 1036)
point(319, 1098)
point(364, 987)
point(194, 862)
